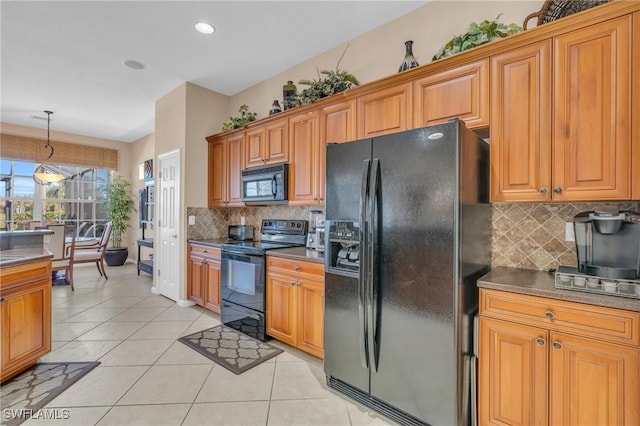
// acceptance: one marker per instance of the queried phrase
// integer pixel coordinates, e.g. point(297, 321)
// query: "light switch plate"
point(192, 220)
point(568, 232)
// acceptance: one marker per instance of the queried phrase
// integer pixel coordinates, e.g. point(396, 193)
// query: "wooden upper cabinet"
point(462, 92)
point(267, 144)
point(521, 124)
point(592, 128)
point(235, 164)
point(593, 383)
point(217, 181)
point(635, 107)
point(385, 111)
point(225, 171)
point(338, 122)
point(304, 152)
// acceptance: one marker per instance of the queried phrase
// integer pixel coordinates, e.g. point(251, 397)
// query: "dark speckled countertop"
point(541, 283)
point(214, 242)
point(21, 256)
point(298, 253)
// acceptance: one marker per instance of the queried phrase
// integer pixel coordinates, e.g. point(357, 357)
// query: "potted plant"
point(119, 204)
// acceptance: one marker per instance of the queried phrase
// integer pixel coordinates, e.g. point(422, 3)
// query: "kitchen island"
point(25, 300)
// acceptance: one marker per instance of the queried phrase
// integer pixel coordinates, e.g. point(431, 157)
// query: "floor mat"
point(23, 396)
point(233, 350)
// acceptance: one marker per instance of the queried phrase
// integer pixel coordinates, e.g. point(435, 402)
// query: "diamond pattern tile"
point(531, 236)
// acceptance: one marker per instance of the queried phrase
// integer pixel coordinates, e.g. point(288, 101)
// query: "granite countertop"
point(298, 253)
point(25, 232)
point(21, 256)
point(212, 242)
point(541, 283)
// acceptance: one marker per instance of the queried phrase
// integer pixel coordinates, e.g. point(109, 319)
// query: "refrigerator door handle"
point(362, 270)
point(372, 262)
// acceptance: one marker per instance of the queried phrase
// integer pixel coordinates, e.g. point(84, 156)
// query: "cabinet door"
point(303, 169)
point(592, 86)
point(254, 147)
point(212, 286)
point(521, 124)
point(593, 383)
point(26, 325)
point(277, 141)
point(338, 122)
point(385, 111)
point(311, 316)
point(217, 185)
point(234, 166)
point(462, 92)
point(635, 108)
point(281, 307)
point(196, 279)
point(512, 374)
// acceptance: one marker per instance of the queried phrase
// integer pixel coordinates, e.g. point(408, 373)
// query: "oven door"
point(242, 279)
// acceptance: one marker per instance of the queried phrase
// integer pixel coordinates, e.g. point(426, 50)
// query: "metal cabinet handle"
point(557, 190)
point(557, 345)
point(1, 299)
point(293, 284)
point(298, 283)
point(297, 268)
point(549, 315)
point(540, 341)
point(543, 190)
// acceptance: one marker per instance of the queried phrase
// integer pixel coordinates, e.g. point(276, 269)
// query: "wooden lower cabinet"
point(203, 276)
point(295, 303)
point(532, 374)
point(25, 309)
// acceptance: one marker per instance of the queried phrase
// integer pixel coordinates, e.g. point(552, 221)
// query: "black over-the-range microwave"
point(265, 185)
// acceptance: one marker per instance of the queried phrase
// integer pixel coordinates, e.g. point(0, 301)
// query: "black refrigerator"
point(409, 233)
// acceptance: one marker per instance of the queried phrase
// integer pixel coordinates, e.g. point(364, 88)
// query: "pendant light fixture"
point(42, 175)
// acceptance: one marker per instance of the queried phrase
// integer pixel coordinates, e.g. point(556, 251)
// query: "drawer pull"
point(557, 345)
point(540, 341)
point(297, 268)
point(549, 315)
point(293, 284)
point(543, 190)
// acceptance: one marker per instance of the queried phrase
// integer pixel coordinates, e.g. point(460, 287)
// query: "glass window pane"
point(22, 213)
point(55, 190)
point(23, 187)
point(53, 212)
point(5, 167)
point(21, 168)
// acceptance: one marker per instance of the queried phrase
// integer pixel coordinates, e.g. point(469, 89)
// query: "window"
point(76, 200)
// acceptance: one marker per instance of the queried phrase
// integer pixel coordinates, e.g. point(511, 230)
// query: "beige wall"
point(379, 52)
point(204, 110)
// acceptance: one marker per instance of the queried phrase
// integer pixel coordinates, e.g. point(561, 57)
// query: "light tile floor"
point(146, 377)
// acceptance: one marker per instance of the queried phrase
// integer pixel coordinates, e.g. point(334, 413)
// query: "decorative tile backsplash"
point(531, 236)
point(212, 223)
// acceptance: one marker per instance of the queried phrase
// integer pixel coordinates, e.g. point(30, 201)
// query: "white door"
point(168, 265)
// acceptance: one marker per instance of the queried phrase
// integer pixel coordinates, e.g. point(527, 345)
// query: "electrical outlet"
point(568, 232)
point(192, 220)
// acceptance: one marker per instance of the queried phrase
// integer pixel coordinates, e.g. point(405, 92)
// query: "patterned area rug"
point(233, 350)
point(23, 396)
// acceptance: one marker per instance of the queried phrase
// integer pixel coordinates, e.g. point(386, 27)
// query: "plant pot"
point(116, 256)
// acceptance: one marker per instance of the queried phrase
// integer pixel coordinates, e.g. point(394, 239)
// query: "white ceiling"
point(67, 56)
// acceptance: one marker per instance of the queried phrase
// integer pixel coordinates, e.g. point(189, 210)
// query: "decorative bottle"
point(288, 92)
point(409, 61)
point(275, 107)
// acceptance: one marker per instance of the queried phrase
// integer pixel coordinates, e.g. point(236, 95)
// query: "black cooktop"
point(256, 246)
point(276, 234)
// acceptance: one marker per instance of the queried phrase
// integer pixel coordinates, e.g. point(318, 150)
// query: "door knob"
point(174, 236)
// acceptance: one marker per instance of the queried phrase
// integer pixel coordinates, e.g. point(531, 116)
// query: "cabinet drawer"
point(295, 266)
point(610, 324)
point(15, 276)
point(205, 251)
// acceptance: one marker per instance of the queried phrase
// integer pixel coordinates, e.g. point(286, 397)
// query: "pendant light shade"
point(42, 175)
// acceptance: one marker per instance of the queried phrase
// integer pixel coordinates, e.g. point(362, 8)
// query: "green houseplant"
point(476, 35)
point(234, 122)
point(119, 203)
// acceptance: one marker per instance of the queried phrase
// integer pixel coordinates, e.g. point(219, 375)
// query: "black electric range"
point(243, 274)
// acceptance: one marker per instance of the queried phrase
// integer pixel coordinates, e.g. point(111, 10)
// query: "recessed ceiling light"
point(205, 28)
point(134, 65)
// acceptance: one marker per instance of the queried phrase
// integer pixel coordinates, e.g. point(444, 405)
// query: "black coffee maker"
point(608, 243)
